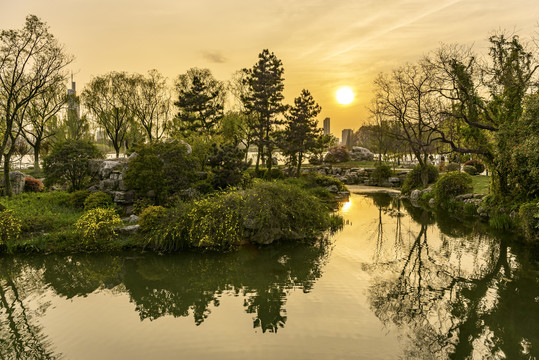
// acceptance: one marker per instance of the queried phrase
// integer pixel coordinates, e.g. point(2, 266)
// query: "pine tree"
point(301, 129)
point(264, 100)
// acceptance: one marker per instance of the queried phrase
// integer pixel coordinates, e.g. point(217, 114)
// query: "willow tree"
point(31, 63)
point(263, 100)
point(107, 97)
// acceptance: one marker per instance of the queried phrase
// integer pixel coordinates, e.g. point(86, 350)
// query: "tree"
point(264, 101)
point(405, 97)
point(200, 102)
point(107, 97)
point(31, 63)
point(301, 130)
point(68, 163)
point(227, 164)
point(151, 104)
point(41, 115)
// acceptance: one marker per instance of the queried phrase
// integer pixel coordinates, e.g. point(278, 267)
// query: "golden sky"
point(323, 44)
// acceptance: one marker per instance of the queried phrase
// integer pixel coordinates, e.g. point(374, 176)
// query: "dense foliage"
point(98, 199)
point(413, 178)
point(227, 166)
point(380, 173)
point(450, 185)
point(337, 154)
point(98, 225)
point(68, 163)
point(10, 226)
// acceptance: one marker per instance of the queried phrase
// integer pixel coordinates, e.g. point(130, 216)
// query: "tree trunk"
point(300, 159)
point(37, 150)
point(7, 180)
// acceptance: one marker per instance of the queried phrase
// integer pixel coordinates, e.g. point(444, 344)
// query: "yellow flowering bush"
point(98, 224)
point(10, 226)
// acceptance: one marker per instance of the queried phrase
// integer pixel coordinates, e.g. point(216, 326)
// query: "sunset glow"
point(344, 95)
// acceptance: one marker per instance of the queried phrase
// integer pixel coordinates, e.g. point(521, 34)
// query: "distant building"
point(73, 103)
point(347, 136)
point(326, 126)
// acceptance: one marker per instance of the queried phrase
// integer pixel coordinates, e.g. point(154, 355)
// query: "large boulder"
point(361, 154)
point(17, 180)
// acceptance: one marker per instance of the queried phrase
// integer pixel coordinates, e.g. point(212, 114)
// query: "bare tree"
point(31, 63)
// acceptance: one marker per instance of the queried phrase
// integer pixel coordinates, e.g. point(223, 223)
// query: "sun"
point(344, 95)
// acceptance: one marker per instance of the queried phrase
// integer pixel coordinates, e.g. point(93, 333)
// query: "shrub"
point(68, 163)
point(452, 167)
point(469, 169)
point(315, 160)
point(164, 168)
point(274, 174)
point(140, 205)
point(380, 173)
point(441, 167)
point(413, 178)
point(77, 198)
point(151, 218)
point(32, 185)
point(98, 224)
point(477, 164)
point(98, 200)
point(227, 164)
point(337, 154)
point(450, 185)
point(10, 227)
point(314, 179)
point(528, 215)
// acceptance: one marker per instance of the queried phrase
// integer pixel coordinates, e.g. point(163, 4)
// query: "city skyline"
point(323, 46)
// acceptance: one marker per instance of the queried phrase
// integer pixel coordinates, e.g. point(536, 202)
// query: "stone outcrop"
point(17, 180)
point(108, 177)
point(361, 154)
point(356, 176)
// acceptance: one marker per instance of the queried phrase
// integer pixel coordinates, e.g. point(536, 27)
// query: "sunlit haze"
point(323, 45)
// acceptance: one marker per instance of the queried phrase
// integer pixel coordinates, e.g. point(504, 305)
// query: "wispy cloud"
point(214, 56)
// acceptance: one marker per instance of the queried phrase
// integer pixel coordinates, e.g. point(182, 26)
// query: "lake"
point(396, 282)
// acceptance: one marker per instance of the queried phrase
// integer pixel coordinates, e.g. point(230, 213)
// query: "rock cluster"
point(108, 177)
point(356, 176)
point(17, 180)
point(361, 154)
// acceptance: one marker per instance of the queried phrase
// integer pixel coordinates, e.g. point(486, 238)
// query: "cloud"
point(214, 56)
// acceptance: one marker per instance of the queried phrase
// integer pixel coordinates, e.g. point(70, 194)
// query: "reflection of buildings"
point(326, 126)
point(347, 135)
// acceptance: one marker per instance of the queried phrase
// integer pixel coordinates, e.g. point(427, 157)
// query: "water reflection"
point(455, 292)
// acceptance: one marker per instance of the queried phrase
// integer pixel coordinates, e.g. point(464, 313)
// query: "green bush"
point(413, 178)
point(68, 163)
point(227, 165)
point(477, 164)
point(337, 154)
point(262, 214)
point(528, 215)
point(469, 169)
point(77, 198)
point(162, 168)
point(452, 167)
point(151, 218)
point(450, 185)
point(98, 224)
point(274, 174)
point(10, 227)
point(98, 200)
point(380, 173)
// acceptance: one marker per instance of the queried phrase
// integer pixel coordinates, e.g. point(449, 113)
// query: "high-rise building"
point(347, 135)
point(326, 126)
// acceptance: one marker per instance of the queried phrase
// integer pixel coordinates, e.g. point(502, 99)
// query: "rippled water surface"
point(396, 282)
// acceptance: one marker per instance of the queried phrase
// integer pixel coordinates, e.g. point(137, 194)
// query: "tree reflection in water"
point(456, 293)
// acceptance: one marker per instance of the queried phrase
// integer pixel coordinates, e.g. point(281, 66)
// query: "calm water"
point(396, 282)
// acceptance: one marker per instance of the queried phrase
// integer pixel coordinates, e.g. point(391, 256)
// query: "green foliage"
point(77, 198)
point(68, 163)
point(501, 221)
point(469, 169)
point(479, 166)
point(452, 167)
point(10, 227)
point(380, 173)
point(273, 174)
point(337, 154)
point(450, 185)
point(528, 215)
point(32, 185)
point(267, 212)
point(163, 168)
point(151, 218)
point(98, 199)
point(228, 165)
point(413, 178)
point(98, 225)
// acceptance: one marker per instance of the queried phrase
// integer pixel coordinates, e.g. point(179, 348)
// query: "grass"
point(481, 184)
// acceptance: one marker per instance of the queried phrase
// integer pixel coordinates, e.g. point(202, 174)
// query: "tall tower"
point(347, 135)
point(326, 126)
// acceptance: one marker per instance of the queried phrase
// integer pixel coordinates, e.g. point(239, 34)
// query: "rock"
point(132, 156)
point(432, 202)
point(415, 194)
point(109, 166)
point(361, 154)
point(343, 196)
point(123, 197)
point(131, 219)
point(464, 197)
point(351, 179)
point(128, 230)
point(108, 185)
point(394, 180)
point(333, 189)
point(17, 182)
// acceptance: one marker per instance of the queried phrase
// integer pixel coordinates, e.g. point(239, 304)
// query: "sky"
point(323, 44)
